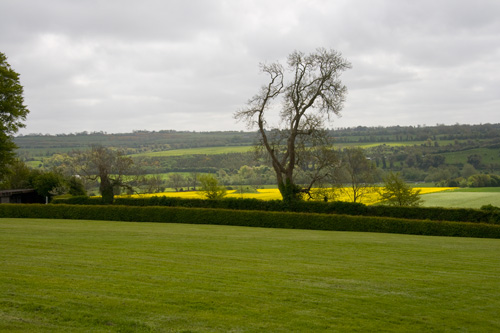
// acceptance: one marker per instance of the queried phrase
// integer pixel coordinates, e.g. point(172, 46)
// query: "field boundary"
point(333, 207)
point(264, 219)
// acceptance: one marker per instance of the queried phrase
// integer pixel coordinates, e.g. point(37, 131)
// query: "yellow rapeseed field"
point(274, 194)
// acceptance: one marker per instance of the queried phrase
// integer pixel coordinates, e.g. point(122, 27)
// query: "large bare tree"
point(312, 95)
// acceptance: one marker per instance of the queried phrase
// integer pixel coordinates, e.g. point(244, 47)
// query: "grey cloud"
point(125, 65)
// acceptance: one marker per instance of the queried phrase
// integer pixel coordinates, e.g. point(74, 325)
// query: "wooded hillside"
point(423, 153)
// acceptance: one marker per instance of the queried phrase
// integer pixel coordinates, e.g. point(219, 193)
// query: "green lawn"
point(89, 276)
point(463, 198)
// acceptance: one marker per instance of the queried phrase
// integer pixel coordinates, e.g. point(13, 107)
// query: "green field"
point(90, 276)
point(463, 198)
point(489, 155)
point(197, 151)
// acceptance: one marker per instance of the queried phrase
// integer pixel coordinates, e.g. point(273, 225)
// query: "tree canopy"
point(307, 100)
point(211, 188)
point(397, 193)
point(106, 165)
point(12, 112)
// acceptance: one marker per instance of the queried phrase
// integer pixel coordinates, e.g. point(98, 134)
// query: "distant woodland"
point(442, 155)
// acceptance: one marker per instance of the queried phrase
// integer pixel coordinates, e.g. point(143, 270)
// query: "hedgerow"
point(336, 207)
point(290, 220)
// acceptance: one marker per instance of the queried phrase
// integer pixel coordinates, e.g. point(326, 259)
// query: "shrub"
point(211, 188)
point(397, 193)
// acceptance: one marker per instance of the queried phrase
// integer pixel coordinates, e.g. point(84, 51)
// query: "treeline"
point(196, 163)
point(444, 155)
point(416, 133)
point(170, 139)
point(138, 141)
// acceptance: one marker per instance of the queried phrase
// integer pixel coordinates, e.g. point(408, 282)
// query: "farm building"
point(20, 196)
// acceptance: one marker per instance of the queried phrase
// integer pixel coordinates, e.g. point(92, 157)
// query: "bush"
point(335, 207)
point(211, 188)
point(289, 220)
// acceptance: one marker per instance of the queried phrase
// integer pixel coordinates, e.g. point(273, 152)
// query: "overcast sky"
point(123, 65)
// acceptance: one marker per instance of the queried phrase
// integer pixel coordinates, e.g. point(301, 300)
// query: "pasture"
point(464, 198)
point(197, 151)
point(81, 276)
point(489, 155)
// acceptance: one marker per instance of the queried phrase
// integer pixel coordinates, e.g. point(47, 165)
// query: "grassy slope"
point(464, 198)
point(460, 157)
point(102, 276)
point(197, 151)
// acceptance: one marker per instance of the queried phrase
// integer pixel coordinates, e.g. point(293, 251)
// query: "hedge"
point(336, 207)
point(289, 220)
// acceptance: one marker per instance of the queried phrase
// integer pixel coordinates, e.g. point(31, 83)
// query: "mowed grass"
point(93, 276)
point(464, 198)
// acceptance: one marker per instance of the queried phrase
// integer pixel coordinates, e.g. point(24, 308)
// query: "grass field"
point(90, 276)
point(197, 151)
point(460, 157)
point(464, 198)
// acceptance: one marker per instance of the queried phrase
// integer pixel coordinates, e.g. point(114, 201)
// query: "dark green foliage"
point(45, 183)
point(76, 186)
point(17, 177)
point(7, 155)
point(211, 188)
point(491, 208)
point(483, 180)
point(12, 112)
point(263, 219)
point(336, 207)
point(290, 192)
point(397, 193)
point(436, 214)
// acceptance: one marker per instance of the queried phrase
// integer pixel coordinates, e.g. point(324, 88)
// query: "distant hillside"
point(145, 141)
point(418, 133)
point(139, 139)
point(433, 153)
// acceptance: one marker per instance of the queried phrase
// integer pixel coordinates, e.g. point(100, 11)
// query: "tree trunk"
point(107, 192)
point(289, 191)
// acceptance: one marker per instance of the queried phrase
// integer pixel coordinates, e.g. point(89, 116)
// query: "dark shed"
point(20, 196)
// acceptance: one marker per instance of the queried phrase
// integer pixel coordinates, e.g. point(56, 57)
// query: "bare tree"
point(153, 183)
point(310, 98)
point(106, 165)
point(176, 181)
point(192, 180)
point(358, 173)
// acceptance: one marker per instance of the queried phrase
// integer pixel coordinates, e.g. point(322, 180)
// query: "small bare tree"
point(357, 173)
point(176, 181)
point(313, 95)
